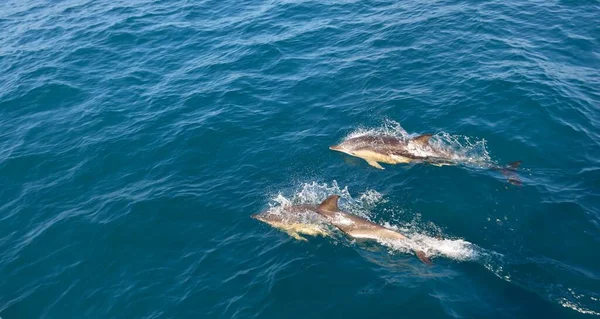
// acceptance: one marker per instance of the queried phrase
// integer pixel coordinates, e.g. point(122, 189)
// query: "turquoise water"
point(138, 137)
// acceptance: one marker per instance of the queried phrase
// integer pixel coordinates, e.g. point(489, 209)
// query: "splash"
point(456, 249)
point(457, 148)
point(463, 149)
point(314, 193)
point(387, 128)
point(429, 238)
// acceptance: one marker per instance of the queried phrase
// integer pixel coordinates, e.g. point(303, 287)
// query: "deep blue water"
point(137, 138)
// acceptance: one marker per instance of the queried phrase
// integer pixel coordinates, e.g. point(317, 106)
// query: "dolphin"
point(375, 149)
point(387, 149)
point(351, 225)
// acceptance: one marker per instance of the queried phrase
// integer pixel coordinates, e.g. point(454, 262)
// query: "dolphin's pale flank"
point(294, 223)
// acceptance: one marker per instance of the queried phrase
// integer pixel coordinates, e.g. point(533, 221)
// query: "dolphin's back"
point(395, 146)
point(386, 145)
point(359, 227)
point(377, 140)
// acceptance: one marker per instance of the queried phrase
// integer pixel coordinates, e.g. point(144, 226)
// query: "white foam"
point(388, 128)
point(456, 249)
point(281, 201)
point(463, 149)
point(314, 193)
point(568, 304)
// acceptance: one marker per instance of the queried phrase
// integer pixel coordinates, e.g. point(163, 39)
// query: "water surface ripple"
point(137, 138)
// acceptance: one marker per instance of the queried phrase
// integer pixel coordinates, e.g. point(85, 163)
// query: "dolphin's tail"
point(510, 172)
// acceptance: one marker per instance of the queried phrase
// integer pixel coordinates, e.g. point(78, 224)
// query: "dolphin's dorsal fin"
point(330, 204)
point(422, 139)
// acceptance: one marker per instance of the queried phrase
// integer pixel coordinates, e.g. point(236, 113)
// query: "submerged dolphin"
point(387, 149)
point(351, 225)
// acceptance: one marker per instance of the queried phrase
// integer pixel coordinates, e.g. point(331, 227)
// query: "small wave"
point(508, 268)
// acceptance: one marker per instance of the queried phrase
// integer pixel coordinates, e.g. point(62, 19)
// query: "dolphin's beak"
point(335, 148)
point(260, 217)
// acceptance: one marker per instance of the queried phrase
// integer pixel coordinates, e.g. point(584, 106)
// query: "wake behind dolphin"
point(296, 215)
